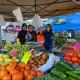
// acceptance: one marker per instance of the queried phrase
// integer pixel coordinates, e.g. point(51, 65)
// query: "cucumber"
point(45, 77)
point(76, 69)
point(76, 72)
point(71, 78)
point(60, 69)
point(65, 66)
point(59, 75)
point(73, 75)
point(48, 77)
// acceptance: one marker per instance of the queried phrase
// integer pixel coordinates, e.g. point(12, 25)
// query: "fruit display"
point(20, 49)
point(70, 43)
point(61, 71)
point(20, 71)
point(5, 59)
point(38, 61)
point(72, 56)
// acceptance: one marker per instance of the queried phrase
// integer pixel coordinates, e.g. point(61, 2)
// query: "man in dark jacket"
point(22, 34)
point(48, 44)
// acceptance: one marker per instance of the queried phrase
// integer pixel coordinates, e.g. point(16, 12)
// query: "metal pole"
point(35, 6)
point(0, 34)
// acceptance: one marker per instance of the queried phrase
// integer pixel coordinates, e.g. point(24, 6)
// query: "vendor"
point(32, 32)
point(22, 34)
point(48, 44)
point(40, 36)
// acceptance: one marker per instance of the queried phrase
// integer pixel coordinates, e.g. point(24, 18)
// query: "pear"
point(1, 55)
point(1, 59)
point(5, 56)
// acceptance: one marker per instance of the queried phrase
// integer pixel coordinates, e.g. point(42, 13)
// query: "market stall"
point(31, 61)
point(36, 64)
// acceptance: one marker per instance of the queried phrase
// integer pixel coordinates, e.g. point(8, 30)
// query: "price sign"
point(26, 57)
point(17, 41)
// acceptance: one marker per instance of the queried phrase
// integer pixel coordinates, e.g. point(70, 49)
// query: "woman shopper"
point(48, 44)
point(40, 36)
point(22, 34)
point(32, 32)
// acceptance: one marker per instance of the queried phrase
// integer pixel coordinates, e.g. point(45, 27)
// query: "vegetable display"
point(20, 71)
point(61, 71)
point(72, 57)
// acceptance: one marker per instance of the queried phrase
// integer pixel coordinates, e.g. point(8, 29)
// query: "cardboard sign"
point(18, 14)
point(17, 41)
point(26, 57)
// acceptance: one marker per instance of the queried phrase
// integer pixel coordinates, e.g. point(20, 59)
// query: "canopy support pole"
point(0, 35)
point(35, 6)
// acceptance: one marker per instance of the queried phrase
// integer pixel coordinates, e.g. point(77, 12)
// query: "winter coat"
point(48, 44)
point(21, 36)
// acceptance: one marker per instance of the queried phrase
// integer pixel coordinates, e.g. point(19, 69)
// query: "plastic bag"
point(49, 64)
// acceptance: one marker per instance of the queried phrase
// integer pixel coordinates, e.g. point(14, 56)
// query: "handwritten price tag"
point(26, 57)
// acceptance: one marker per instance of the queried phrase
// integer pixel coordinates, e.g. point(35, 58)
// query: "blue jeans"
point(51, 50)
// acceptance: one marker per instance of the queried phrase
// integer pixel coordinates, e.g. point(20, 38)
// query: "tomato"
point(67, 58)
point(40, 73)
point(33, 72)
point(22, 65)
point(12, 72)
point(74, 59)
point(78, 55)
point(3, 73)
point(76, 63)
point(6, 77)
point(1, 77)
point(2, 67)
point(17, 76)
point(30, 77)
point(22, 70)
point(13, 64)
point(9, 68)
point(79, 61)
point(27, 68)
point(17, 68)
point(22, 75)
point(70, 54)
point(26, 73)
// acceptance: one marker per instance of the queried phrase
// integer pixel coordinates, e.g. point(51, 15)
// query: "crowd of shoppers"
point(44, 37)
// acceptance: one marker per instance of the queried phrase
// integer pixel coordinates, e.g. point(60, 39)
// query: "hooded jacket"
point(21, 36)
point(48, 44)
